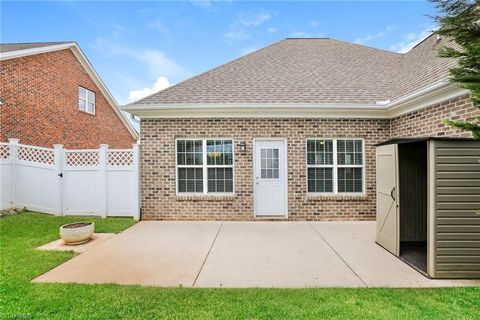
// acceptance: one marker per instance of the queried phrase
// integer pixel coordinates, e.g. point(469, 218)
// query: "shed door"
point(387, 198)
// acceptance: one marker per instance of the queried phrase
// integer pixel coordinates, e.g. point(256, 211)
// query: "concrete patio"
point(244, 254)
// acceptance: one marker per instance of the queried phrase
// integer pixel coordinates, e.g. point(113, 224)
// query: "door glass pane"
point(269, 163)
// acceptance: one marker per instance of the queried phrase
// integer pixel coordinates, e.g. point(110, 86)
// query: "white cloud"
point(160, 84)
point(410, 40)
point(238, 28)
point(156, 61)
point(159, 63)
point(370, 37)
point(252, 19)
point(236, 35)
point(248, 50)
point(159, 27)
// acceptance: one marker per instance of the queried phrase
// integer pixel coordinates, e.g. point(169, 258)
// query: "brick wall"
point(40, 94)
point(428, 121)
point(159, 199)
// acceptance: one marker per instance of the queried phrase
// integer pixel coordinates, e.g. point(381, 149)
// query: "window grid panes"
point(349, 152)
point(320, 180)
point(209, 164)
point(335, 165)
point(320, 152)
point(86, 100)
point(320, 166)
point(220, 180)
point(190, 180)
point(269, 163)
point(219, 152)
point(350, 180)
point(189, 152)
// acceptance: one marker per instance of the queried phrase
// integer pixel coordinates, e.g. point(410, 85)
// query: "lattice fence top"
point(4, 151)
point(120, 158)
point(82, 158)
point(36, 154)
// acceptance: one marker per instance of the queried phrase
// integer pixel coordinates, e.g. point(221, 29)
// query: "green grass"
point(21, 299)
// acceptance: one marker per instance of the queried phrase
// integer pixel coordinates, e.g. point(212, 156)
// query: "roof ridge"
point(367, 47)
point(207, 71)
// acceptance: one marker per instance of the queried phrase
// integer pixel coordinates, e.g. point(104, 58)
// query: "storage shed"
point(428, 204)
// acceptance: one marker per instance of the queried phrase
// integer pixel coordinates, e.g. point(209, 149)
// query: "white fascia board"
point(434, 93)
point(422, 98)
point(264, 112)
point(86, 65)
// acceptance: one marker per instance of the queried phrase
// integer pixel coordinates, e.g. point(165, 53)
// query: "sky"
point(138, 48)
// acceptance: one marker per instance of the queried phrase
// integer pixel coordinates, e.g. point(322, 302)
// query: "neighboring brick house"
point(289, 131)
point(51, 94)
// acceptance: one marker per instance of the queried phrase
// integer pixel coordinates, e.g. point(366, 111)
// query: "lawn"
point(21, 299)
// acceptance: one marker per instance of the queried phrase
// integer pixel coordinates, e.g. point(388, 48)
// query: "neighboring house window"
point(86, 100)
point(205, 166)
point(335, 166)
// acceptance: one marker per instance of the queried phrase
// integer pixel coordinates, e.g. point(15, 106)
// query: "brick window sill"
point(198, 198)
point(339, 197)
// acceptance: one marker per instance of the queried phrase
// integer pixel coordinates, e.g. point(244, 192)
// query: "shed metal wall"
point(455, 205)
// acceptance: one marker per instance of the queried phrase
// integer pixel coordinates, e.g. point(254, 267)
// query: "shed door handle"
point(392, 194)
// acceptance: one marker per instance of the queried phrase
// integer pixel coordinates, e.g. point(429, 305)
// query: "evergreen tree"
point(459, 20)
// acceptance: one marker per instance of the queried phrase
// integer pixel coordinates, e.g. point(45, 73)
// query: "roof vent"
point(439, 38)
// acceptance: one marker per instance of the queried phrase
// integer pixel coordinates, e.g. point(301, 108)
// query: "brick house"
point(289, 131)
point(51, 94)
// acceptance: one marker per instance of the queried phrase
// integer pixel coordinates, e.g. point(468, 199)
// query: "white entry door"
point(387, 198)
point(270, 185)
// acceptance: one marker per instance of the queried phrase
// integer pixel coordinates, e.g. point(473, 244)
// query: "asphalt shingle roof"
point(8, 47)
point(313, 71)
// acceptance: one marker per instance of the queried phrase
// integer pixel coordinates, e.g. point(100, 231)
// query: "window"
point(86, 100)
point(335, 166)
point(205, 166)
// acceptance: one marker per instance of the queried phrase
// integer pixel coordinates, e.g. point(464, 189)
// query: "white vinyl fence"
point(101, 182)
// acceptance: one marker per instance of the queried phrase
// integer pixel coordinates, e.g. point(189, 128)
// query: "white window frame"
point(335, 167)
point(87, 101)
point(204, 167)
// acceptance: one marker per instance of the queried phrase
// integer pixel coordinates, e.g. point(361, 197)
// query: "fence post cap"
point(13, 140)
point(103, 145)
point(58, 146)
